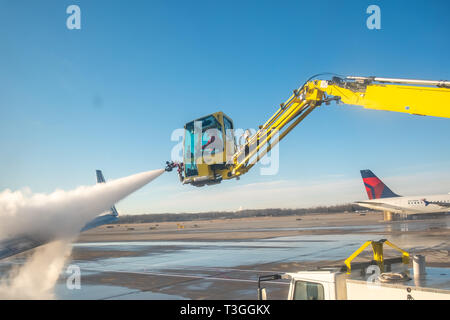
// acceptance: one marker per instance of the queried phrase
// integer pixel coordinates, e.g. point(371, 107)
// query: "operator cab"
point(208, 145)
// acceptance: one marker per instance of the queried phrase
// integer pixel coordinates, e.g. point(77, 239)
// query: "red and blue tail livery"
point(375, 188)
point(383, 199)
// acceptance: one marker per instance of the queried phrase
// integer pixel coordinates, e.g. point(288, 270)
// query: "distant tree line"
point(169, 217)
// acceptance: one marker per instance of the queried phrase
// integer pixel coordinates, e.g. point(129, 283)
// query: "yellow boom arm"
point(419, 97)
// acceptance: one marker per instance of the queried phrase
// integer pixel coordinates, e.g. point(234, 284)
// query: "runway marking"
point(184, 276)
point(218, 269)
point(222, 269)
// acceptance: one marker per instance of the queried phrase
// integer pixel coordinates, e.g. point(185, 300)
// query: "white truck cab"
point(317, 285)
point(337, 285)
point(379, 279)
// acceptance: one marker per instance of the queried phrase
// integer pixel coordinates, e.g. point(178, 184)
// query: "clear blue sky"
point(109, 95)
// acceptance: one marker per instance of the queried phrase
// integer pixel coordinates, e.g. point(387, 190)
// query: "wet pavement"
point(223, 269)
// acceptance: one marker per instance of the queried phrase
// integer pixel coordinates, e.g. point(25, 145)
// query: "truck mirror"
point(262, 294)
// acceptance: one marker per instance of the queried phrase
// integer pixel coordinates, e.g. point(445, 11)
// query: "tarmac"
point(222, 259)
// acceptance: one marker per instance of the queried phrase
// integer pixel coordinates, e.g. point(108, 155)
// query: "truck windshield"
point(308, 291)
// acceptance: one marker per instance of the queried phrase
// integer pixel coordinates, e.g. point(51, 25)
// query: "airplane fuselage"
point(410, 204)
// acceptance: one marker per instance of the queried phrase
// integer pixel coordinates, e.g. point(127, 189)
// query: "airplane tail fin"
point(101, 179)
point(375, 188)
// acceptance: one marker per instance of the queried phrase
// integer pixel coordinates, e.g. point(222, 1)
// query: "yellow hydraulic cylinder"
point(425, 101)
point(378, 256)
point(377, 247)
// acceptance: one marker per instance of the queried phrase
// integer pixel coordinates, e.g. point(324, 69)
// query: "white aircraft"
point(382, 198)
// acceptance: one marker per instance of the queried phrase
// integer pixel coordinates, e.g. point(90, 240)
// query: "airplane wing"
point(12, 246)
point(440, 204)
point(395, 209)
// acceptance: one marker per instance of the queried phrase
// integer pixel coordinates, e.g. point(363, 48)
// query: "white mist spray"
point(38, 276)
point(59, 215)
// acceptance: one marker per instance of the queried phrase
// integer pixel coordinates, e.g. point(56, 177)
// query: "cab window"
point(211, 133)
point(308, 291)
point(230, 142)
point(228, 127)
point(190, 167)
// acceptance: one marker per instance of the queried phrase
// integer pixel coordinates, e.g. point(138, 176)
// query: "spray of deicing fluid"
point(59, 215)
